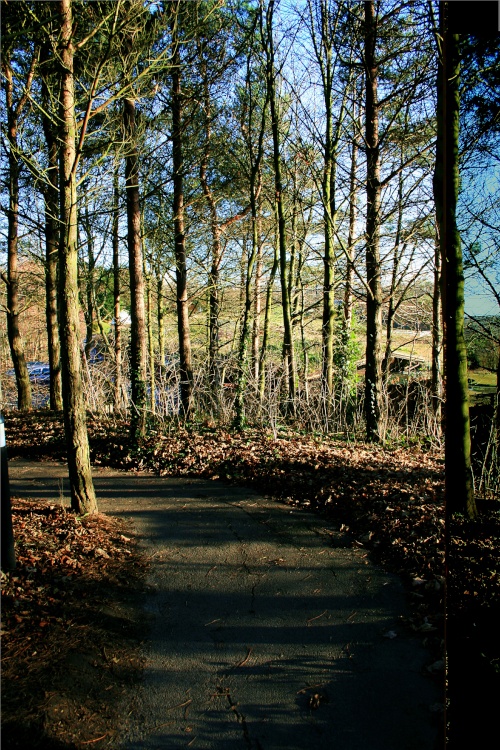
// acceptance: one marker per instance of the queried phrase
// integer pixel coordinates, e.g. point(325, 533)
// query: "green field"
point(481, 383)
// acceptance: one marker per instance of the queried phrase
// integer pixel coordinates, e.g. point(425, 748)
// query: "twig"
point(311, 619)
point(98, 739)
point(164, 724)
point(181, 705)
point(249, 651)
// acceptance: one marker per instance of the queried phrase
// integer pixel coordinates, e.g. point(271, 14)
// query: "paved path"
point(266, 629)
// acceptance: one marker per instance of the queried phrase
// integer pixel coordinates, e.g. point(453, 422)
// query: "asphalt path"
point(265, 627)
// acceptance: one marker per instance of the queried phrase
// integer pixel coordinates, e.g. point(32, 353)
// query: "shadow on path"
point(261, 633)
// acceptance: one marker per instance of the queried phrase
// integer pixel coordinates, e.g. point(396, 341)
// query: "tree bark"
point(151, 346)
point(436, 378)
point(51, 201)
point(257, 305)
point(89, 281)
point(373, 371)
point(185, 362)
point(138, 341)
point(160, 318)
point(288, 353)
point(348, 292)
point(213, 278)
point(245, 323)
point(83, 498)
point(117, 392)
point(392, 305)
point(267, 319)
point(16, 342)
point(458, 471)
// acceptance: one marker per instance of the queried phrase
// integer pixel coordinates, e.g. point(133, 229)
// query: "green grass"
point(484, 383)
point(483, 378)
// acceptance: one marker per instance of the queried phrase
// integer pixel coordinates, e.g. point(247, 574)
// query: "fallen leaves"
point(55, 632)
point(388, 502)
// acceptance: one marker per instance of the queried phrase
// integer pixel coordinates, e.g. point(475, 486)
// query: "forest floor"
point(73, 573)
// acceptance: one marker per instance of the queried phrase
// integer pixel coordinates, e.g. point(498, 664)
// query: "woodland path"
point(265, 629)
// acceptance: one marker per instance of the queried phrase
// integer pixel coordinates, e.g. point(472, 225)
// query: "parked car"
point(39, 372)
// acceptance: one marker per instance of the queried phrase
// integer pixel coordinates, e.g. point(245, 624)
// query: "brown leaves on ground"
point(390, 502)
point(70, 636)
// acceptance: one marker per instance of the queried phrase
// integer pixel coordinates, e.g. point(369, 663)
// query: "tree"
point(83, 498)
point(458, 471)
point(51, 199)
point(14, 110)
point(267, 36)
point(117, 391)
point(138, 341)
point(325, 22)
point(177, 105)
point(253, 125)
point(137, 17)
point(373, 376)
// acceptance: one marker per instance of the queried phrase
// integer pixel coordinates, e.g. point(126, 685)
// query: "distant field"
point(418, 343)
point(483, 377)
point(483, 383)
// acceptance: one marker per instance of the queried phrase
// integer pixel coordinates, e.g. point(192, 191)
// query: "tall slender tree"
point(117, 392)
point(325, 24)
point(458, 471)
point(83, 498)
point(138, 338)
point(177, 103)
point(373, 372)
point(51, 201)
point(253, 126)
point(14, 109)
point(267, 35)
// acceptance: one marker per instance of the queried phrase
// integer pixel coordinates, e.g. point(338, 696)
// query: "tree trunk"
point(83, 498)
point(497, 406)
point(349, 274)
point(373, 372)
point(89, 281)
point(213, 278)
point(288, 353)
point(436, 380)
point(160, 318)
point(117, 392)
point(257, 305)
point(245, 323)
point(458, 471)
point(13, 330)
point(328, 325)
point(51, 199)
point(392, 306)
point(151, 346)
point(185, 363)
point(51, 312)
point(267, 319)
point(138, 342)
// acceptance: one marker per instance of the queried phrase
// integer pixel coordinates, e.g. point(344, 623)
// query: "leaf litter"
point(70, 629)
point(389, 501)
